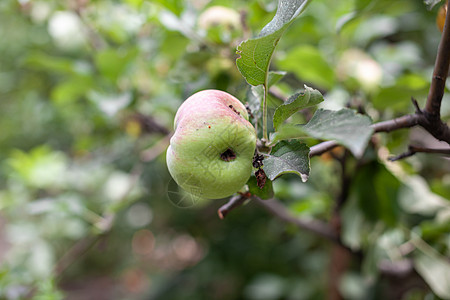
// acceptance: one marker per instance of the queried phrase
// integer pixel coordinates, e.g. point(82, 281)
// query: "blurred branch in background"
point(415, 149)
point(156, 150)
point(315, 226)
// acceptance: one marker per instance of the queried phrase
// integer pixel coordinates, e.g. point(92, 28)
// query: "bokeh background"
point(88, 93)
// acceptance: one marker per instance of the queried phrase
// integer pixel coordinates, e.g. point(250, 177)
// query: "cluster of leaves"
point(345, 126)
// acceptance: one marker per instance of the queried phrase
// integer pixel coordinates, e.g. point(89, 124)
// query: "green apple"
point(210, 154)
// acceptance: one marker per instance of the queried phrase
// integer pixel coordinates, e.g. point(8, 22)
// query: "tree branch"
point(431, 117)
point(441, 66)
point(414, 149)
point(397, 123)
point(80, 248)
point(321, 229)
point(157, 149)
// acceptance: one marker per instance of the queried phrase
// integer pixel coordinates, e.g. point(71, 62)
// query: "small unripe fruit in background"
point(440, 19)
point(356, 64)
point(219, 16)
point(211, 152)
point(220, 24)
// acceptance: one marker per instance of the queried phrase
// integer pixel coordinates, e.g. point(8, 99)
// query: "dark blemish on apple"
point(228, 155)
point(231, 106)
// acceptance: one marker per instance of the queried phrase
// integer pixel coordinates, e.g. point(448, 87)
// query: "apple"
point(210, 154)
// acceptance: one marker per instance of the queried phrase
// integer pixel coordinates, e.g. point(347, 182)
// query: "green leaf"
point(309, 65)
point(50, 63)
point(256, 54)
point(416, 197)
point(345, 126)
point(287, 132)
point(376, 191)
point(112, 63)
point(72, 89)
point(265, 193)
point(296, 102)
point(434, 229)
point(288, 157)
point(397, 97)
point(258, 91)
point(275, 76)
point(436, 272)
point(173, 5)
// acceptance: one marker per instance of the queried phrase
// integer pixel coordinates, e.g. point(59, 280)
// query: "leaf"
point(345, 19)
point(288, 157)
point(287, 132)
point(274, 77)
point(308, 63)
point(376, 191)
point(345, 126)
point(258, 96)
point(54, 64)
point(436, 272)
point(110, 104)
point(296, 102)
point(72, 89)
point(416, 197)
point(265, 193)
point(112, 62)
point(256, 54)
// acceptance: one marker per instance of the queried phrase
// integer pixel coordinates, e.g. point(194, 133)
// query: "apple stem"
point(266, 89)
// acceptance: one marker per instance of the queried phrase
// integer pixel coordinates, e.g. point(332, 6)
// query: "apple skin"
point(210, 154)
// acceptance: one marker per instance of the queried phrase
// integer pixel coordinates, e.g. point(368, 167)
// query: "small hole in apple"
point(228, 155)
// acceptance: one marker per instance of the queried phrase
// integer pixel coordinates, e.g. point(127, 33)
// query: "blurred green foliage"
point(88, 93)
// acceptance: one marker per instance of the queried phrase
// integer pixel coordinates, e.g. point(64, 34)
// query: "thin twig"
point(157, 149)
point(321, 148)
point(234, 202)
point(80, 248)
point(95, 40)
point(414, 149)
point(416, 105)
point(314, 226)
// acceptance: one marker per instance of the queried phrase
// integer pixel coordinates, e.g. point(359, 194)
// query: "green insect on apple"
point(210, 154)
